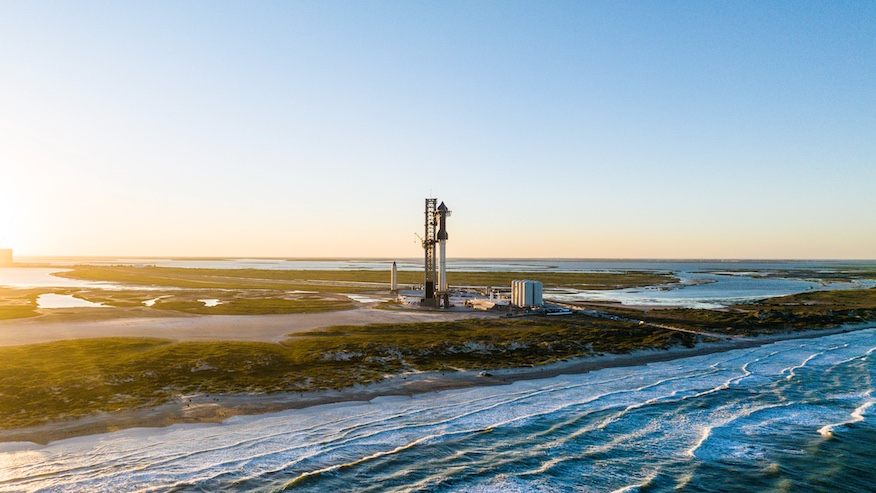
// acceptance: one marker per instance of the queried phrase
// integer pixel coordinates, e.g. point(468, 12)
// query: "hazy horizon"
point(598, 130)
point(453, 259)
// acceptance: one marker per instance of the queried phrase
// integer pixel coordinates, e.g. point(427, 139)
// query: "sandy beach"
point(216, 408)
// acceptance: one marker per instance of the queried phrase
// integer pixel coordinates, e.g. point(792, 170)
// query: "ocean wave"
point(620, 429)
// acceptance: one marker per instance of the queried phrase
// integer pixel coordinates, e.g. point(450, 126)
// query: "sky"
point(595, 129)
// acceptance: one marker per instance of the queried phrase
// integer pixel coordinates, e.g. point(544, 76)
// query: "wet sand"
point(217, 408)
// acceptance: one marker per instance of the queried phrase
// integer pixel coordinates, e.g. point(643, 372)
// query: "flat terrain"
point(348, 280)
point(804, 311)
point(73, 378)
point(298, 334)
point(162, 291)
point(81, 323)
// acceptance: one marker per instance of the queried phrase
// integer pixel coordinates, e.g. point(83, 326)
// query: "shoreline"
point(193, 409)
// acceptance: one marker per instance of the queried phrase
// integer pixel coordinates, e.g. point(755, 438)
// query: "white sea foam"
point(791, 371)
point(530, 435)
point(638, 486)
point(857, 416)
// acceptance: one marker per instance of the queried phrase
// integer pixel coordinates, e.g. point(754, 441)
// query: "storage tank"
point(526, 294)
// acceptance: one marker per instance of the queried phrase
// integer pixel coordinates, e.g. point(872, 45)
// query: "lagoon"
point(52, 300)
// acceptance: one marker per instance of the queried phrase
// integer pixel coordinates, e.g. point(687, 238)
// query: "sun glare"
point(12, 219)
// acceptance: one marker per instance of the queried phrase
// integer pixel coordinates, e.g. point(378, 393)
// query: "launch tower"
point(429, 246)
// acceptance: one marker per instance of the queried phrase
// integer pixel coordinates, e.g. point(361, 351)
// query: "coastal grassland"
point(233, 302)
point(251, 306)
point(206, 279)
point(575, 280)
point(18, 303)
point(838, 273)
point(67, 379)
point(805, 311)
point(479, 343)
point(347, 280)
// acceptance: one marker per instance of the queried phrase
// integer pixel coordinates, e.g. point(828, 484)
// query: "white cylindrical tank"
point(526, 293)
point(393, 281)
point(537, 299)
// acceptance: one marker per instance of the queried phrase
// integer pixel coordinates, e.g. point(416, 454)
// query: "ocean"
point(789, 416)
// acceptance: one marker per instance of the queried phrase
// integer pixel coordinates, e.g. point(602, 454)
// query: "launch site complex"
point(525, 295)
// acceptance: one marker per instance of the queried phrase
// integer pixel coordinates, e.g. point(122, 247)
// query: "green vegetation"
point(18, 303)
point(259, 292)
point(841, 273)
point(47, 382)
point(805, 311)
point(52, 381)
point(205, 278)
point(576, 280)
point(8, 312)
point(478, 343)
point(257, 306)
point(247, 302)
point(21, 303)
point(346, 281)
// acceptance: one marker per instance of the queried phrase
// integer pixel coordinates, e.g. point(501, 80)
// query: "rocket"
point(442, 247)
point(393, 283)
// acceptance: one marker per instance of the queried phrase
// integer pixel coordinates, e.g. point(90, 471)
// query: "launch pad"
point(435, 291)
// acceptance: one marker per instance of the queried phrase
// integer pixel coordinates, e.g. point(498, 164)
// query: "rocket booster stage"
point(442, 247)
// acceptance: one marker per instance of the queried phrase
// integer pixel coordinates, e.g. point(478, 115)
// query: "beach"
point(205, 408)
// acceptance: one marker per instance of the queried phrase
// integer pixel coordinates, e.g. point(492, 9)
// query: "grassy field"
point(58, 380)
point(259, 292)
point(819, 309)
point(18, 303)
point(208, 278)
point(346, 281)
point(52, 381)
point(233, 302)
point(21, 303)
point(841, 273)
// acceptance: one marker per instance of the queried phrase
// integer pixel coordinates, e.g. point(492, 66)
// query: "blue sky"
point(561, 129)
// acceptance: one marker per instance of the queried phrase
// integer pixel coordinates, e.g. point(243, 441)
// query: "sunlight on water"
point(51, 300)
point(20, 277)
